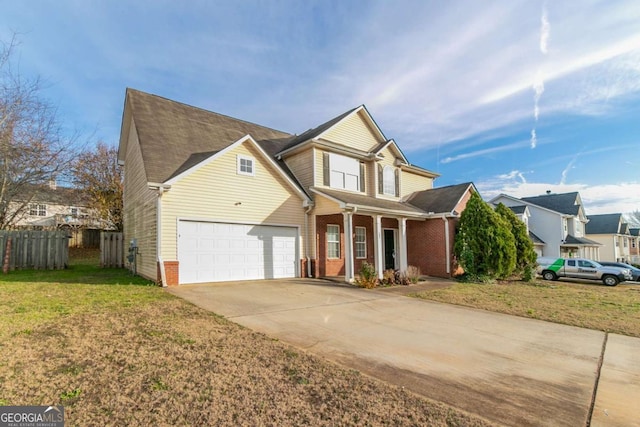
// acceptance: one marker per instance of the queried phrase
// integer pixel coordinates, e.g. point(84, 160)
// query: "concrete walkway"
point(510, 370)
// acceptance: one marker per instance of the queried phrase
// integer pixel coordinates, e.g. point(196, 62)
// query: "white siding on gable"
point(215, 192)
point(354, 131)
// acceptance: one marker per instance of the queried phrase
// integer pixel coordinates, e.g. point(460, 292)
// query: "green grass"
point(33, 297)
point(593, 306)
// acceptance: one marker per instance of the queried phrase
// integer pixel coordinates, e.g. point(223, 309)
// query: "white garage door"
point(215, 252)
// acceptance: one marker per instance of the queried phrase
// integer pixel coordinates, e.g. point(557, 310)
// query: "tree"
point(525, 254)
point(484, 244)
point(98, 174)
point(33, 150)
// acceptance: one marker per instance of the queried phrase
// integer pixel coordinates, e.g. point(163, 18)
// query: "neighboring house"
point(557, 222)
point(523, 213)
point(211, 198)
point(613, 234)
point(51, 207)
point(634, 250)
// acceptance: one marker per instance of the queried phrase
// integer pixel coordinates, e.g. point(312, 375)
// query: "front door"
point(389, 249)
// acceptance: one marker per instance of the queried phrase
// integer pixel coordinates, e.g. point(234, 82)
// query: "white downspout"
point(447, 249)
point(306, 239)
point(163, 274)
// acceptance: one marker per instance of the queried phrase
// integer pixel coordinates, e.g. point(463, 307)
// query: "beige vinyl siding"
point(354, 131)
point(139, 210)
point(324, 206)
point(412, 182)
point(318, 167)
point(301, 164)
point(215, 192)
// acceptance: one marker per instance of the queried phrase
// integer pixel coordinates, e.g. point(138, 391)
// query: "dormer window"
point(246, 166)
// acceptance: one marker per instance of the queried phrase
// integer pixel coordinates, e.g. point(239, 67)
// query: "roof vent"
point(548, 191)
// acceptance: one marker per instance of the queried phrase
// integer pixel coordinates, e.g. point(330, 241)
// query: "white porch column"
point(447, 249)
point(378, 248)
point(348, 246)
point(403, 262)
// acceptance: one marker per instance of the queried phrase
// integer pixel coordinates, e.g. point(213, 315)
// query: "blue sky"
point(519, 97)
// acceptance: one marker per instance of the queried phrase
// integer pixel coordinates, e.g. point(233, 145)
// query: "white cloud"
point(485, 152)
point(565, 171)
point(545, 29)
point(534, 138)
point(597, 199)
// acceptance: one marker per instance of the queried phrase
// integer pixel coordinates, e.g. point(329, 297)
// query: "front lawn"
point(593, 306)
point(114, 351)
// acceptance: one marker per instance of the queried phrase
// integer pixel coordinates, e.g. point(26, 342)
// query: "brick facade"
point(426, 246)
point(171, 272)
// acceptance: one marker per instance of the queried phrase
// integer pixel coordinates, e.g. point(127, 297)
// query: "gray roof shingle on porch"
point(439, 200)
point(364, 201)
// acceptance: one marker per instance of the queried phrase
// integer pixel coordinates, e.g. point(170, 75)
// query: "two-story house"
point(51, 207)
point(558, 223)
point(208, 197)
point(613, 233)
point(634, 250)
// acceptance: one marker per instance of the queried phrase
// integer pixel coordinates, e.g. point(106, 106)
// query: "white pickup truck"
point(580, 268)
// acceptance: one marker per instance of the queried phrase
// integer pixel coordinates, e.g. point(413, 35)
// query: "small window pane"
point(361, 242)
point(333, 241)
point(245, 165)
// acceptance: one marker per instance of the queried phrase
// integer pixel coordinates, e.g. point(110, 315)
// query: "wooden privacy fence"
point(34, 250)
point(111, 249)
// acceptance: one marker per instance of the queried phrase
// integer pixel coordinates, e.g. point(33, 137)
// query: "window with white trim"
point(333, 241)
point(389, 181)
point(246, 166)
point(344, 172)
point(361, 242)
point(36, 209)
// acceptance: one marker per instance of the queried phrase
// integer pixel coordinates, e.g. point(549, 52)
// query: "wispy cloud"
point(567, 169)
point(485, 152)
point(545, 29)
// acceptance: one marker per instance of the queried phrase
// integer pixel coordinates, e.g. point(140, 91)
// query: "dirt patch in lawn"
point(161, 361)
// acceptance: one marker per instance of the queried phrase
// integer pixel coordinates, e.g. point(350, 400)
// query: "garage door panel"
point(220, 251)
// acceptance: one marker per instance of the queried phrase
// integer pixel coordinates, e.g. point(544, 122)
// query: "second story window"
point(343, 172)
point(36, 209)
point(74, 212)
point(388, 183)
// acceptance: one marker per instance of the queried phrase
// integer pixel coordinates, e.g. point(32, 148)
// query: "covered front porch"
point(348, 234)
point(580, 247)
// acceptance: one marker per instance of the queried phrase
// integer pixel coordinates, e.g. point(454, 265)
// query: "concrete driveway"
point(507, 369)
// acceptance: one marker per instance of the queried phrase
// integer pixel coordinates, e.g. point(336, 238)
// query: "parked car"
point(580, 268)
point(635, 272)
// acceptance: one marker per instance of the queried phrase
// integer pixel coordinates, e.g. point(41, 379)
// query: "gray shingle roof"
point(64, 196)
point(172, 134)
point(572, 240)
point(634, 231)
point(368, 201)
point(563, 203)
point(439, 200)
point(604, 224)
point(535, 239)
point(518, 210)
